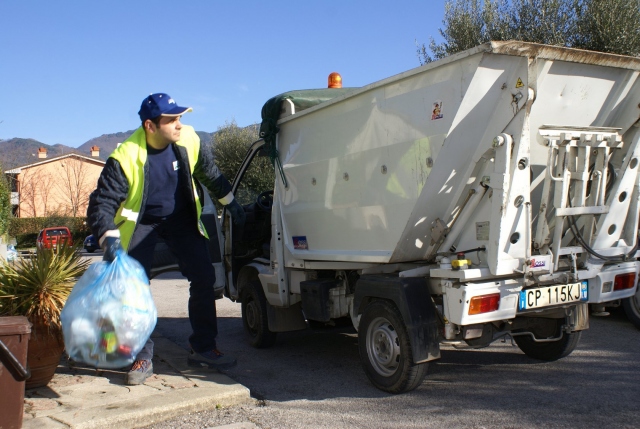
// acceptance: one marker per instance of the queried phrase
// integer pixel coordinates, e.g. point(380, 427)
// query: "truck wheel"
point(631, 307)
point(385, 351)
point(550, 351)
point(254, 315)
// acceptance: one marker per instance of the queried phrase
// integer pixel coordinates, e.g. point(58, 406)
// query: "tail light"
point(484, 303)
point(624, 281)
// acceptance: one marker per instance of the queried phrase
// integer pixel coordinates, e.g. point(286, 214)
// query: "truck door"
point(253, 189)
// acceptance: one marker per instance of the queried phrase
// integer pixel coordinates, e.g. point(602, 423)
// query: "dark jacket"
point(113, 187)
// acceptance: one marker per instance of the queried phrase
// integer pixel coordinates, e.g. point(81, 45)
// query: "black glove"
point(111, 246)
point(237, 213)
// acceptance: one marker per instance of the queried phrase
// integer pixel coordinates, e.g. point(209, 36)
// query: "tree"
point(603, 25)
point(542, 21)
point(74, 186)
point(231, 146)
point(5, 204)
point(35, 188)
point(28, 188)
point(608, 26)
point(464, 30)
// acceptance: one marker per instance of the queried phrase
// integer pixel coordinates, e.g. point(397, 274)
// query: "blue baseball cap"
point(160, 105)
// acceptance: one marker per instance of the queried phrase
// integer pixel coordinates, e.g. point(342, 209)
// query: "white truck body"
point(524, 157)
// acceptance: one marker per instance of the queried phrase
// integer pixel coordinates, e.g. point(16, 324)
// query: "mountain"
point(106, 142)
point(17, 152)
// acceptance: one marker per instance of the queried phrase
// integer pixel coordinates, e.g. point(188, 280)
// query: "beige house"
point(59, 185)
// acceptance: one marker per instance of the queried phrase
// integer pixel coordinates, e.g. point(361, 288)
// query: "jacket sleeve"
point(105, 200)
point(208, 173)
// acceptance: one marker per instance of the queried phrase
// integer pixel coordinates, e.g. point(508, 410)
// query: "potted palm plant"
point(38, 288)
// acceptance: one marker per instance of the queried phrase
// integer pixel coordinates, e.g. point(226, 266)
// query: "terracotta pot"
point(43, 356)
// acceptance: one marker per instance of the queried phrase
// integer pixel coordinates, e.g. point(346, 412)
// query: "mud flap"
point(411, 296)
point(578, 319)
point(286, 319)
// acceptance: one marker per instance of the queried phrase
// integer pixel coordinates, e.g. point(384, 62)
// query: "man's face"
point(167, 131)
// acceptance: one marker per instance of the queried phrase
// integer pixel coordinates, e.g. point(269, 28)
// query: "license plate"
point(553, 295)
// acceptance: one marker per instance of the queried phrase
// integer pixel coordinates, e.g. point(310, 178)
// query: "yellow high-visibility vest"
point(132, 156)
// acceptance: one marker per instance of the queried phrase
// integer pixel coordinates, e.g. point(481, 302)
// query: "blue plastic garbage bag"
point(109, 314)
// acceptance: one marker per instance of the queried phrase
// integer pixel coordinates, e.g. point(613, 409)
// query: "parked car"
point(91, 244)
point(51, 238)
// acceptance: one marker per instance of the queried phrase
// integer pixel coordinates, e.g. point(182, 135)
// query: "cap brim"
point(177, 111)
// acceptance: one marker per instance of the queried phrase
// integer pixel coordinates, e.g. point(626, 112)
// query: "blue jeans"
point(190, 248)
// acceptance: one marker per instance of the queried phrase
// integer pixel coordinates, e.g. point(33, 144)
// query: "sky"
point(74, 70)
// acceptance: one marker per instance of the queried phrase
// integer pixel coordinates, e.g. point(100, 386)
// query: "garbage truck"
point(487, 195)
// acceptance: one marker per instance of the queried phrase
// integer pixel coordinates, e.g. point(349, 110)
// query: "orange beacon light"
point(335, 80)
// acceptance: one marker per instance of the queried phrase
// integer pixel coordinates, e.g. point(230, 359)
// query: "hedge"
point(26, 229)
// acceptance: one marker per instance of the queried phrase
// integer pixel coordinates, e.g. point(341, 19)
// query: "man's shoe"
point(212, 359)
point(139, 372)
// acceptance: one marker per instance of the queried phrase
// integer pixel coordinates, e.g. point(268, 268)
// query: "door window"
point(256, 179)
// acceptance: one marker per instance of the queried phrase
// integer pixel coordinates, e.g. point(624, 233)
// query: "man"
point(148, 190)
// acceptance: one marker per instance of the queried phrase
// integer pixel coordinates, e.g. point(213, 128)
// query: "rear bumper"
point(601, 287)
point(457, 299)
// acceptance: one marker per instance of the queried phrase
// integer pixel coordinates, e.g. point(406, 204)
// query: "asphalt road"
point(313, 379)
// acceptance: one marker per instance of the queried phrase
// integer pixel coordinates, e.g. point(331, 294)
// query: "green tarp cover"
point(303, 99)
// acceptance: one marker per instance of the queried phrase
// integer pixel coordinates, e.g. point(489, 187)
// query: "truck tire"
point(548, 351)
point(385, 351)
point(631, 307)
point(254, 315)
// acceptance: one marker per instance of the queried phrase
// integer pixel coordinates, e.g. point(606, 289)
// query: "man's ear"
point(149, 126)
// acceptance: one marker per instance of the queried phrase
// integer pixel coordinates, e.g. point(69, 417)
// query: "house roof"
point(18, 170)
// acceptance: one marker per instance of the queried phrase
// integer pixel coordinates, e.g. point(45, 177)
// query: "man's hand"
point(111, 246)
point(237, 213)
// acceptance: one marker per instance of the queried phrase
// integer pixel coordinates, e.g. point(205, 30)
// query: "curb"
point(143, 405)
